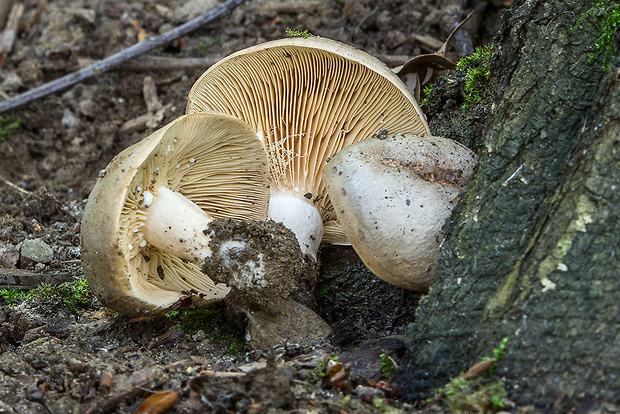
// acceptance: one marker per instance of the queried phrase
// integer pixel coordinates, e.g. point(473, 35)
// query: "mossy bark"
point(533, 249)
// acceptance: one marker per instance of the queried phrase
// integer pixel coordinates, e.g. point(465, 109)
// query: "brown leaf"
point(158, 403)
point(478, 369)
point(425, 69)
point(422, 70)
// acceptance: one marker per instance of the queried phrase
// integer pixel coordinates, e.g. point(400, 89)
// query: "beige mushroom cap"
point(308, 99)
point(393, 196)
point(214, 160)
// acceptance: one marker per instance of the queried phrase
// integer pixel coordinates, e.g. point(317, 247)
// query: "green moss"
point(474, 394)
point(478, 70)
point(479, 394)
point(427, 93)
point(213, 322)
point(8, 126)
point(320, 294)
point(381, 405)
point(500, 351)
point(76, 296)
point(304, 34)
point(609, 26)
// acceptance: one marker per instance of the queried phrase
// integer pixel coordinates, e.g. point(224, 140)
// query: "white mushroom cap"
point(393, 196)
point(213, 166)
point(307, 99)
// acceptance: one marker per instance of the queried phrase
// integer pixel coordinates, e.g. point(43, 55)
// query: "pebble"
point(367, 394)
point(9, 256)
point(68, 119)
point(87, 107)
point(12, 82)
point(36, 250)
point(199, 336)
point(194, 8)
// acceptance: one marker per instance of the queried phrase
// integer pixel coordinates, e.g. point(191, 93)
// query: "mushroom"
point(307, 99)
point(393, 196)
point(143, 231)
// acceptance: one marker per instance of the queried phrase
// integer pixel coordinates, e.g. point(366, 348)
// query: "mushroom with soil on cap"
point(307, 99)
point(393, 196)
point(144, 230)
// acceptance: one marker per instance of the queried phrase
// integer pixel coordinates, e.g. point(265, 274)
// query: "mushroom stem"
point(175, 225)
point(296, 213)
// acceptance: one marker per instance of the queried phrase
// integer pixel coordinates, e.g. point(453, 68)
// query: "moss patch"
point(609, 27)
point(7, 126)
point(213, 322)
point(76, 296)
point(478, 70)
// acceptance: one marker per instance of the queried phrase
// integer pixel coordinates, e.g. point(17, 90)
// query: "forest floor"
point(60, 350)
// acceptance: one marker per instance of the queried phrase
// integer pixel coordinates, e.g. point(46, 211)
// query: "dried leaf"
point(158, 403)
point(425, 69)
point(479, 369)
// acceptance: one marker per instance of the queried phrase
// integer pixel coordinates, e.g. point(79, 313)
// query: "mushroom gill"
point(307, 99)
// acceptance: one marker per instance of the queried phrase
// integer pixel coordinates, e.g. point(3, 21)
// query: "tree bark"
point(533, 249)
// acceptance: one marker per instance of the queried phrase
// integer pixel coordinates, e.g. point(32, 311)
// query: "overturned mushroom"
point(307, 99)
point(143, 231)
point(393, 196)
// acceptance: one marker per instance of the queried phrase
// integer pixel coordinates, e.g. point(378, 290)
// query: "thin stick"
point(118, 58)
point(157, 63)
point(13, 186)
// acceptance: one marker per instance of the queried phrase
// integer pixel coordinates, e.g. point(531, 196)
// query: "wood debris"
point(8, 35)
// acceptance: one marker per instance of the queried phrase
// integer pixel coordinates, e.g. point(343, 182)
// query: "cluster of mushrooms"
point(270, 133)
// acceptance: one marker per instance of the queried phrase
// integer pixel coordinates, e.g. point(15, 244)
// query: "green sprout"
point(427, 93)
point(8, 126)
point(387, 366)
point(478, 70)
point(304, 34)
point(610, 25)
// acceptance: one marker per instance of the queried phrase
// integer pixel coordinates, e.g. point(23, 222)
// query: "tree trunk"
point(533, 250)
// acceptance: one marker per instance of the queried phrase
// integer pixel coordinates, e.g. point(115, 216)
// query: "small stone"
point(294, 324)
point(164, 11)
point(367, 394)
point(199, 336)
point(29, 70)
point(194, 8)
point(87, 15)
point(9, 256)
point(37, 251)
point(87, 107)
point(68, 119)
point(12, 82)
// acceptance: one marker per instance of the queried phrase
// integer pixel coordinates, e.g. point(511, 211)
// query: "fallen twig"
point(7, 37)
point(25, 279)
point(152, 63)
point(118, 58)
point(14, 186)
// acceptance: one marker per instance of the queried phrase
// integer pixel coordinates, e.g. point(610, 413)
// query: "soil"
point(56, 359)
